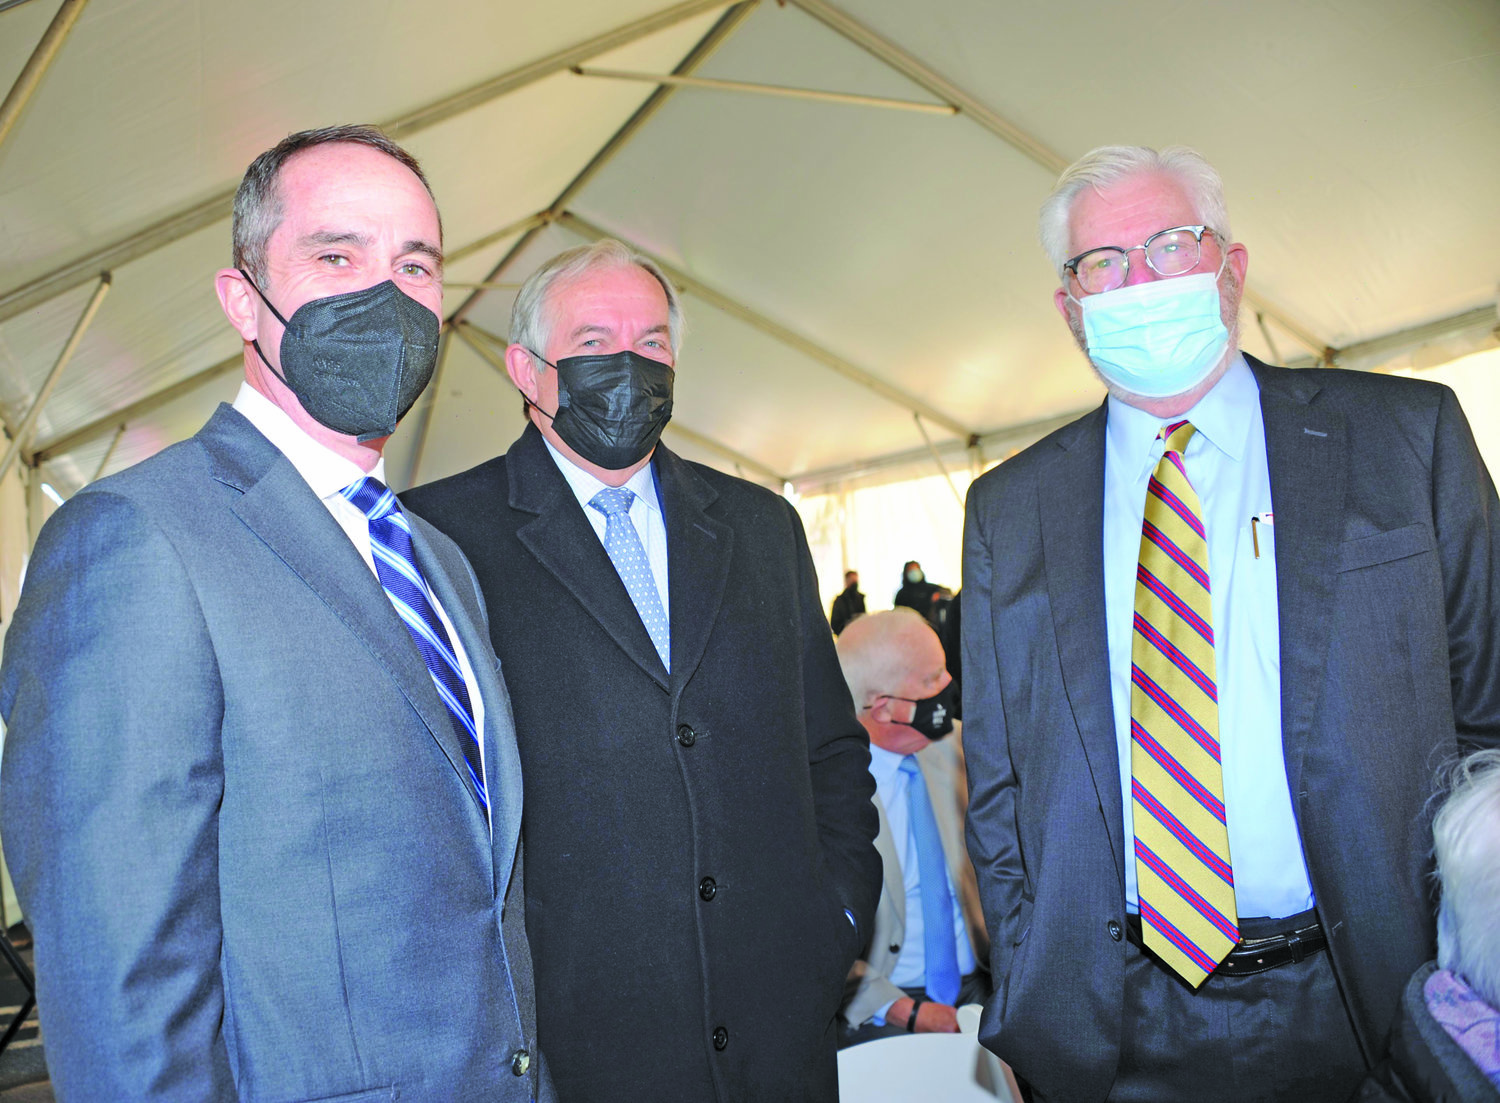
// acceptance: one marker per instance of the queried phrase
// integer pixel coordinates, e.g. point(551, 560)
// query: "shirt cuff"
point(878, 1019)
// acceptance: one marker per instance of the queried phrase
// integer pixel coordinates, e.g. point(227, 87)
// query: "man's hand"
point(932, 1018)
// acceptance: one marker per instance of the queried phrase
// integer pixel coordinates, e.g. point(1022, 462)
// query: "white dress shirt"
point(891, 787)
point(1226, 464)
point(328, 473)
point(645, 513)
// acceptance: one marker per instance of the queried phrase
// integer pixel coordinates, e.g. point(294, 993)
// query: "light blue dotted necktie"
point(939, 944)
point(623, 544)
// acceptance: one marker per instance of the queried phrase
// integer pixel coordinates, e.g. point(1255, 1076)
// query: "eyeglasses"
point(1173, 252)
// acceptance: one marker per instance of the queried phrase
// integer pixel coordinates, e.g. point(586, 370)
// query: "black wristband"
point(911, 1020)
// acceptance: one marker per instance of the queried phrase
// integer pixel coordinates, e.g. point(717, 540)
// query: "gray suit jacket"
point(1388, 586)
point(869, 986)
point(235, 807)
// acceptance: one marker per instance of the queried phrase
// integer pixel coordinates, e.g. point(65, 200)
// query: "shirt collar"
point(884, 764)
point(322, 468)
point(585, 486)
point(1222, 417)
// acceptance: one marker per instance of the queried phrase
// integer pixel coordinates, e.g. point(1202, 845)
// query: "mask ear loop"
point(256, 341)
point(526, 398)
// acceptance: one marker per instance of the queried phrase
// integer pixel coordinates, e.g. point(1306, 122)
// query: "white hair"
point(1107, 165)
point(874, 651)
point(530, 321)
point(1466, 841)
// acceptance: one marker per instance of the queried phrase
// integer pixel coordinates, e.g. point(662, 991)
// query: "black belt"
point(1255, 955)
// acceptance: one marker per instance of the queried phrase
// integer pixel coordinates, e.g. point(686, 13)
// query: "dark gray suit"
point(236, 810)
point(692, 839)
point(1388, 584)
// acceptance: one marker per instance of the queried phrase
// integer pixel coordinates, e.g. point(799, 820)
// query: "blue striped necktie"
point(396, 567)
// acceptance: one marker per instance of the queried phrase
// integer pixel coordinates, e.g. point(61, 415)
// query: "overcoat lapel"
point(1070, 494)
point(699, 548)
point(565, 544)
point(1306, 453)
point(278, 506)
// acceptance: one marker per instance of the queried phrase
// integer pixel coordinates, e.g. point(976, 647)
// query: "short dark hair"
point(257, 204)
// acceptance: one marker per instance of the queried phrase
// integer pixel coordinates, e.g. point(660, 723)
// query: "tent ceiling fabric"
point(1359, 145)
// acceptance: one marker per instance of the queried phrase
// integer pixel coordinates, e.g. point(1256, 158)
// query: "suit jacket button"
point(721, 1038)
point(686, 735)
point(895, 947)
point(708, 888)
point(1116, 931)
point(520, 1062)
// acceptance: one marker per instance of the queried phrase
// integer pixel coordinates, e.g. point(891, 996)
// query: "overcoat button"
point(895, 947)
point(708, 888)
point(686, 735)
point(520, 1062)
point(1116, 931)
point(721, 1038)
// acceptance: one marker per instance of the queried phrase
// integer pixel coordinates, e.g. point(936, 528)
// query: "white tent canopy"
point(846, 264)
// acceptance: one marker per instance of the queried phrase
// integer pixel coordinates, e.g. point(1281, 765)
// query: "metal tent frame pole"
point(37, 65)
point(848, 98)
point(1018, 139)
point(28, 423)
point(191, 219)
point(726, 25)
point(700, 290)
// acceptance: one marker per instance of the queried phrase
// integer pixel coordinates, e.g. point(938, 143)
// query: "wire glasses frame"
point(1171, 252)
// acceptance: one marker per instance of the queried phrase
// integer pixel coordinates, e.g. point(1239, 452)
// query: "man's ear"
point(522, 368)
point(237, 298)
point(1061, 301)
point(881, 711)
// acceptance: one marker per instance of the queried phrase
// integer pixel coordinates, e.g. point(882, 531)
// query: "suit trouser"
point(1279, 1035)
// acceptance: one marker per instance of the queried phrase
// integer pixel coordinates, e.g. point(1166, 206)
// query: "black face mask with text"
point(934, 715)
point(357, 361)
point(611, 409)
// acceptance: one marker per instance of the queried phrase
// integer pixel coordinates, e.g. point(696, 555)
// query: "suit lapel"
point(1306, 448)
point(278, 506)
point(566, 545)
point(895, 879)
point(502, 766)
point(1071, 500)
point(699, 548)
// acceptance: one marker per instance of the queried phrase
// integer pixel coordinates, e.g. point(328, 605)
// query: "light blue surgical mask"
point(1156, 339)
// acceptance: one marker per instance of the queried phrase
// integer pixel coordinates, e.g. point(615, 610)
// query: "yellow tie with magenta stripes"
point(1183, 876)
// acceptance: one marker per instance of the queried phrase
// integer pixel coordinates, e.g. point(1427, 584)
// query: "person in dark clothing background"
point(916, 592)
point(848, 605)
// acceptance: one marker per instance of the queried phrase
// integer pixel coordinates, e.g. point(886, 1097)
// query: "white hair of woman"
point(1466, 841)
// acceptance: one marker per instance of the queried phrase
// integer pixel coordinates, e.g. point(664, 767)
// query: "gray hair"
point(871, 652)
point(530, 325)
point(257, 204)
point(1466, 841)
point(1107, 165)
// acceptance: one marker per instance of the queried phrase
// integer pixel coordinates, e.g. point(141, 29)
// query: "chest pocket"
point(1385, 547)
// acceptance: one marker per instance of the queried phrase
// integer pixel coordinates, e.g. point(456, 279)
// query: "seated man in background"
point(922, 963)
point(1446, 1043)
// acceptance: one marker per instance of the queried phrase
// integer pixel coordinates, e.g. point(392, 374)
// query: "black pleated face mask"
point(933, 716)
point(611, 409)
point(358, 361)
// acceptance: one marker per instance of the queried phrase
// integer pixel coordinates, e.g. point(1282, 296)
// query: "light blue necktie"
point(396, 567)
point(939, 947)
point(623, 544)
